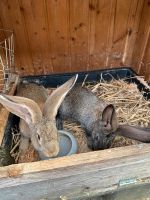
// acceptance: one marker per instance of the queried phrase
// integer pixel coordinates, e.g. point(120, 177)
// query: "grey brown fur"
point(37, 111)
point(97, 118)
point(84, 107)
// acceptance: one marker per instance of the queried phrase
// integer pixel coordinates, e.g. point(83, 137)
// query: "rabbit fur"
point(136, 133)
point(97, 118)
point(38, 112)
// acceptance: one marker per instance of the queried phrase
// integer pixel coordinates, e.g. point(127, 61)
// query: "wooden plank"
point(110, 31)
point(4, 113)
point(145, 59)
point(10, 13)
point(137, 192)
point(145, 67)
point(79, 34)
point(132, 29)
point(142, 40)
point(58, 20)
point(2, 53)
point(101, 18)
point(2, 33)
point(76, 176)
point(36, 27)
point(116, 46)
point(122, 12)
point(64, 35)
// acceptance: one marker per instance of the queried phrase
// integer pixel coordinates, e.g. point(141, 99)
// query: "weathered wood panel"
point(76, 176)
point(75, 35)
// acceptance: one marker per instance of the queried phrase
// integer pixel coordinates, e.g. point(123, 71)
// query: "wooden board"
point(77, 176)
point(2, 52)
point(58, 30)
point(54, 36)
point(15, 21)
point(132, 31)
point(145, 69)
point(140, 59)
point(79, 34)
point(101, 20)
point(33, 12)
point(119, 32)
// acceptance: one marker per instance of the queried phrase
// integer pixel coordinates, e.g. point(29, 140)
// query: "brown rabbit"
point(37, 111)
point(97, 118)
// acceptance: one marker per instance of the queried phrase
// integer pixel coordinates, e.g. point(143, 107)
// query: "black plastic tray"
point(53, 80)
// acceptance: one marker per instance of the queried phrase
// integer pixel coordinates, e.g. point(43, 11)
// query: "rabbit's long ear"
point(135, 133)
point(54, 101)
point(22, 107)
point(109, 117)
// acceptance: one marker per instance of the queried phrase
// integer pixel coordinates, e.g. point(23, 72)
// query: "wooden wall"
point(74, 35)
point(141, 54)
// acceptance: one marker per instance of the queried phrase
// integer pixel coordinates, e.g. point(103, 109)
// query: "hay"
point(79, 134)
point(21, 157)
point(15, 143)
point(131, 108)
point(30, 155)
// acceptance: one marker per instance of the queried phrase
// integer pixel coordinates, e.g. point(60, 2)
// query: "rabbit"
point(38, 112)
point(97, 118)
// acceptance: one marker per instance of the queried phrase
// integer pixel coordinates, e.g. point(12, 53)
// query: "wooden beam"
point(76, 176)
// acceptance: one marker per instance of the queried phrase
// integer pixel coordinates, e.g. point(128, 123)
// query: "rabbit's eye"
point(38, 137)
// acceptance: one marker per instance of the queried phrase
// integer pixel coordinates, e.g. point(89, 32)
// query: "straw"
point(131, 108)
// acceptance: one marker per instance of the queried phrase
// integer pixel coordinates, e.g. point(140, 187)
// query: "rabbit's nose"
point(51, 149)
point(96, 138)
point(49, 154)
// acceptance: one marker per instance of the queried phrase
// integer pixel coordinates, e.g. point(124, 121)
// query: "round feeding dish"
point(67, 144)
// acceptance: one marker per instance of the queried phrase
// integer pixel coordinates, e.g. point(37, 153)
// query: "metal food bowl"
point(67, 143)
